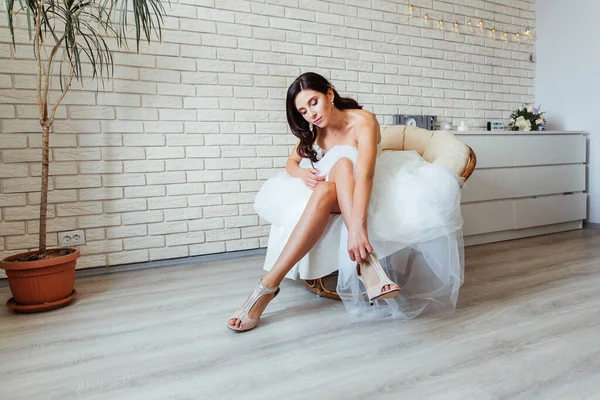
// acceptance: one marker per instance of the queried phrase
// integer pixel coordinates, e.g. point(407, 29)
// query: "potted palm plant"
point(69, 38)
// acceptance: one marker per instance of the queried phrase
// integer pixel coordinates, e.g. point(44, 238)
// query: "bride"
point(388, 221)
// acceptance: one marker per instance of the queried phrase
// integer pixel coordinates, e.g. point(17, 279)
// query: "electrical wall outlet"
point(71, 238)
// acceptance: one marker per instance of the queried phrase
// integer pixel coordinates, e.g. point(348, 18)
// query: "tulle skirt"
point(414, 225)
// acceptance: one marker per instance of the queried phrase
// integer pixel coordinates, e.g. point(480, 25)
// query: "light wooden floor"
point(527, 327)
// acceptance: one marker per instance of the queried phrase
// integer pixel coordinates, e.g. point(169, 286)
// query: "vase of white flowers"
point(527, 118)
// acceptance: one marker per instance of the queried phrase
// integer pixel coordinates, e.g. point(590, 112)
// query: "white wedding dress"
point(414, 225)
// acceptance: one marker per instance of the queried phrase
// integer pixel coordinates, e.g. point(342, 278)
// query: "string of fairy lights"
point(472, 27)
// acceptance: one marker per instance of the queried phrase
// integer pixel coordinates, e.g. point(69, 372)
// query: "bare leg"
point(307, 232)
point(342, 174)
point(310, 227)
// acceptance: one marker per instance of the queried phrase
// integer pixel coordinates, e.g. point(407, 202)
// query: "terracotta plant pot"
point(41, 285)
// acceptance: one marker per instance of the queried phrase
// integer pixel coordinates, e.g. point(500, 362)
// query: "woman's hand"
point(358, 242)
point(311, 179)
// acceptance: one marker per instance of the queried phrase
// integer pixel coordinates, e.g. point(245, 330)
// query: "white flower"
point(539, 121)
point(523, 124)
point(530, 108)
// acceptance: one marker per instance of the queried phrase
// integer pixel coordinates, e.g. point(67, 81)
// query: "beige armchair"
point(437, 147)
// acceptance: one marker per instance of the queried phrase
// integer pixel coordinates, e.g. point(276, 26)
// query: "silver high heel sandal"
point(242, 314)
point(376, 292)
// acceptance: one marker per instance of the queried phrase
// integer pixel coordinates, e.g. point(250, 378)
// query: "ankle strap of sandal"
point(265, 289)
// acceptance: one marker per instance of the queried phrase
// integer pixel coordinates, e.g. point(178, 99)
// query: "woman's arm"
point(368, 136)
point(308, 176)
point(365, 169)
point(293, 163)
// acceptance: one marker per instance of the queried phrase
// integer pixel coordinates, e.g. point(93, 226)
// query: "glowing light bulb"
point(410, 10)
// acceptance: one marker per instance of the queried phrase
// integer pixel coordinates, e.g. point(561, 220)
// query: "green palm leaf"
point(83, 26)
point(78, 29)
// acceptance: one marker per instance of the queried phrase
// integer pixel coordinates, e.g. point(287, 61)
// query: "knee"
point(342, 168)
point(344, 164)
point(325, 193)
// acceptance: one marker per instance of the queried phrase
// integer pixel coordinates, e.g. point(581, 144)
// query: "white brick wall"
point(164, 161)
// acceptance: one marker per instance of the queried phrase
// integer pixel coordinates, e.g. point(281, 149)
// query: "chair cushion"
point(447, 150)
point(417, 139)
point(438, 147)
point(392, 137)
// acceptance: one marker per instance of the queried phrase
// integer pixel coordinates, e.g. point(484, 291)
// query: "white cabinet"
point(525, 184)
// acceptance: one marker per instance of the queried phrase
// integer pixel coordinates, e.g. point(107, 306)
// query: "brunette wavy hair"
point(298, 125)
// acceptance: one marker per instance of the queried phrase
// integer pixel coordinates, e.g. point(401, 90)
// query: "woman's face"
point(315, 106)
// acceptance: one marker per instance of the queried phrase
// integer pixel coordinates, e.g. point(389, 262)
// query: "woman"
point(343, 204)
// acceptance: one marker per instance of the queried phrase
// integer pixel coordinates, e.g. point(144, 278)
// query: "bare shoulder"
point(366, 124)
point(363, 117)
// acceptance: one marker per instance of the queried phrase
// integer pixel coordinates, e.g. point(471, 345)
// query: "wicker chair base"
point(325, 286)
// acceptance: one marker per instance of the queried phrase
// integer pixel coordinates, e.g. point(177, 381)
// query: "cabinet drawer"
point(487, 217)
point(550, 149)
point(491, 151)
point(507, 183)
point(489, 184)
point(550, 210)
point(525, 150)
point(551, 179)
